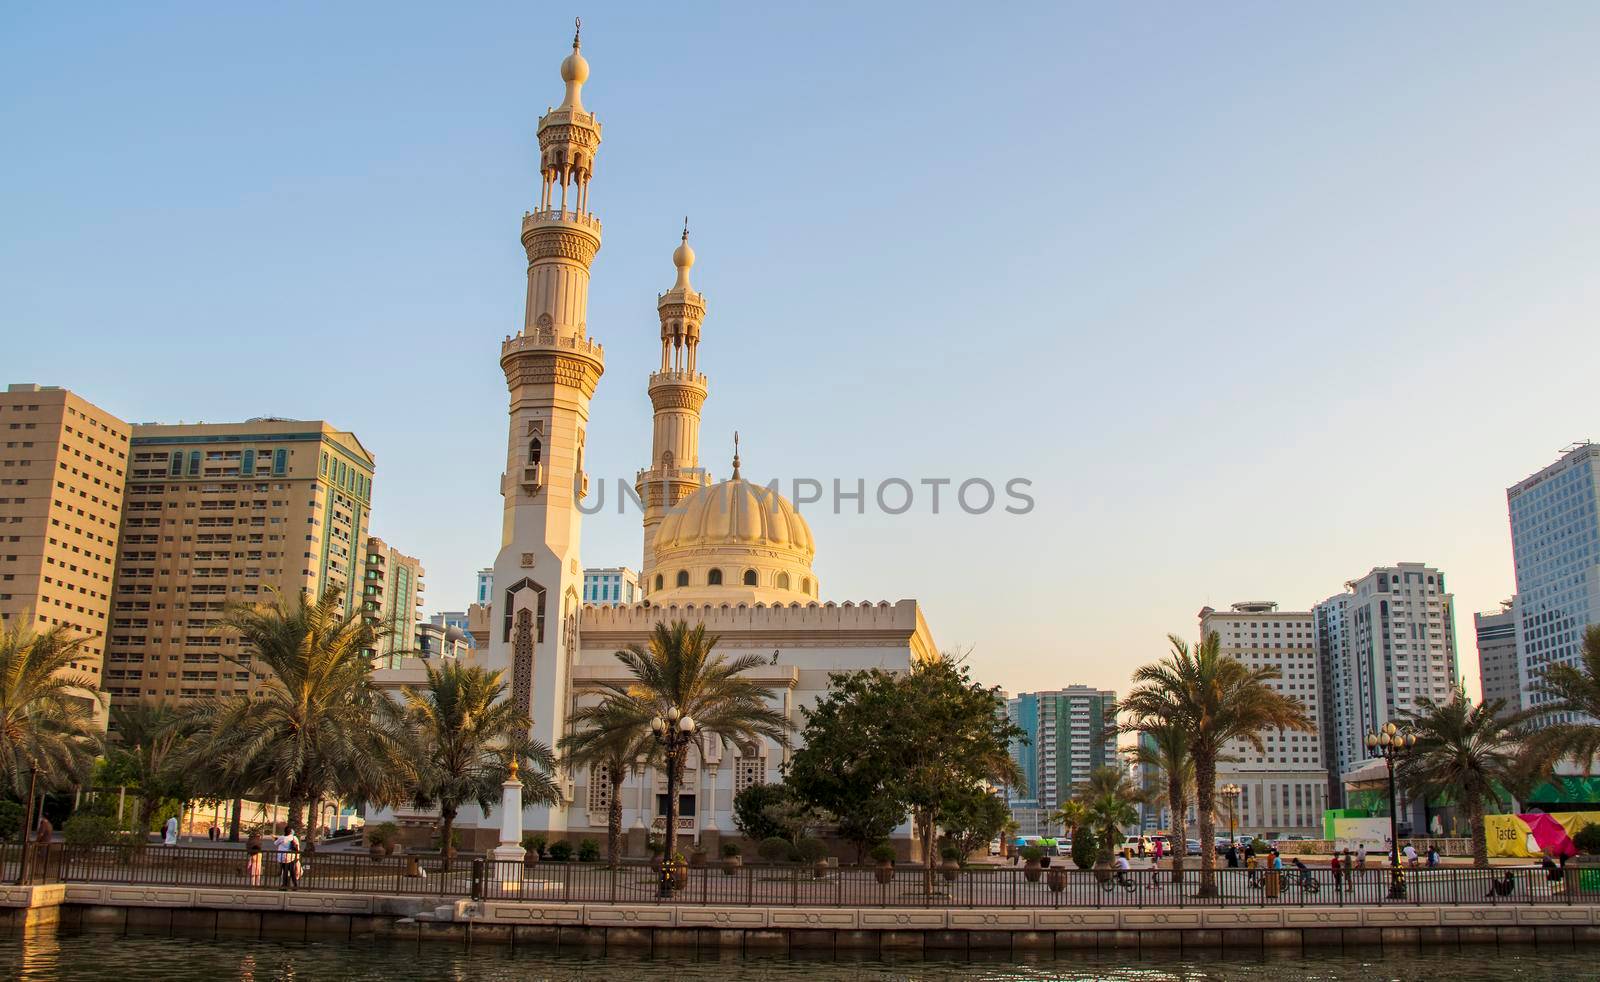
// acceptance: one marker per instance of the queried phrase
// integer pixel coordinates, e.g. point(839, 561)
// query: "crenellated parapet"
point(811, 625)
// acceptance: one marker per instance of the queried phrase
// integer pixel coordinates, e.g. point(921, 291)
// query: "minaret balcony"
point(695, 379)
point(560, 216)
point(551, 341)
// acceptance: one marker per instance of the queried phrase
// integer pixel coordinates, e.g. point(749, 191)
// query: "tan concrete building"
point(1285, 788)
point(63, 463)
point(1496, 632)
point(227, 512)
point(391, 595)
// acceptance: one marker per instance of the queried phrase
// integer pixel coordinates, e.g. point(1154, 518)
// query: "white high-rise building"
point(1555, 541)
point(1384, 642)
point(1497, 655)
point(1284, 789)
point(1069, 735)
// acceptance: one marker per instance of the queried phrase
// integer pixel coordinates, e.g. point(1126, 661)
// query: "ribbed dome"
point(735, 513)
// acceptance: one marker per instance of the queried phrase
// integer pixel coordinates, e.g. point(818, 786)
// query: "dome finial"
point(577, 31)
point(683, 258)
point(735, 455)
point(574, 72)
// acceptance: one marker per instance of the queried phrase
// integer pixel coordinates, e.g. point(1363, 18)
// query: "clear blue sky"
point(1259, 296)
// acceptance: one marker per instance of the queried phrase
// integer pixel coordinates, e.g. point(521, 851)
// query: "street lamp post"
point(1230, 792)
point(673, 733)
point(1389, 743)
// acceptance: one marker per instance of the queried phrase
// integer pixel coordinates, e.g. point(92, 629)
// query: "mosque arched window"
point(714, 578)
point(659, 581)
point(805, 586)
point(783, 581)
point(749, 577)
point(683, 577)
point(535, 450)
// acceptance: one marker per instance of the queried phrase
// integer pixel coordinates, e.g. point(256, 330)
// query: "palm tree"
point(313, 727)
point(679, 672)
point(1109, 797)
point(1465, 753)
point(1216, 698)
point(147, 755)
point(463, 737)
point(47, 725)
point(1074, 816)
point(603, 737)
point(1573, 689)
point(1167, 753)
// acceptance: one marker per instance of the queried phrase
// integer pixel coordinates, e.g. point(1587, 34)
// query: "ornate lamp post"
point(673, 733)
point(1230, 792)
point(1389, 743)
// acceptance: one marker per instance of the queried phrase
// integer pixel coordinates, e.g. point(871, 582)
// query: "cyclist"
point(1307, 881)
point(1122, 870)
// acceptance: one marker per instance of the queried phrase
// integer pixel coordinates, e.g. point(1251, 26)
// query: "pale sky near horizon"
point(1257, 296)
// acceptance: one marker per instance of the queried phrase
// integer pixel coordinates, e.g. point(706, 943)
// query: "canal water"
point(74, 956)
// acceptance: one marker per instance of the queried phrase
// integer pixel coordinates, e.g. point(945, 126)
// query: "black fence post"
point(477, 879)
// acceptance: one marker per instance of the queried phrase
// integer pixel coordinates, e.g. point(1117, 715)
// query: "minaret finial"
point(686, 228)
point(577, 31)
point(736, 455)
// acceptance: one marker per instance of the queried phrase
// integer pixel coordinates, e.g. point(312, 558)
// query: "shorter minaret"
point(677, 391)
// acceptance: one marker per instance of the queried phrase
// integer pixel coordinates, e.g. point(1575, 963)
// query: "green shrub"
point(1085, 848)
point(89, 830)
point(950, 854)
point(1261, 846)
point(811, 850)
point(774, 849)
point(588, 851)
point(1588, 839)
point(383, 833)
point(560, 851)
point(10, 820)
point(534, 844)
point(1032, 854)
point(730, 849)
point(882, 852)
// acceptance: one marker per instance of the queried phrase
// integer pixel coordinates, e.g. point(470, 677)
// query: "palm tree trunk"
point(1205, 773)
point(297, 810)
point(447, 828)
point(233, 821)
point(1480, 836)
point(614, 822)
point(1180, 827)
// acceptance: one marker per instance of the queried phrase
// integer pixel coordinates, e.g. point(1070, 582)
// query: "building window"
point(535, 450)
point(805, 585)
point(280, 461)
point(599, 788)
point(194, 463)
point(659, 581)
point(783, 581)
point(714, 578)
point(683, 577)
point(749, 577)
point(748, 772)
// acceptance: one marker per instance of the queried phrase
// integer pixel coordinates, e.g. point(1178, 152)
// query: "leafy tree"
point(1574, 690)
point(973, 819)
point(1167, 754)
point(1215, 698)
point(312, 728)
point(464, 738)
point(146, 756)
point(1085, 847)
point(680, 670)
point(751, 811)
point(920, 740)
point(1464, 754)
point(46, 710)
point(603, 737)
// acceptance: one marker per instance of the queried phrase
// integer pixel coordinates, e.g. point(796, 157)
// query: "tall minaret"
point(551, 369)
point(677, 392)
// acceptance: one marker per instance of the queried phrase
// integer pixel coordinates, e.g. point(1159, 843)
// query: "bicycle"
point(1122, 880)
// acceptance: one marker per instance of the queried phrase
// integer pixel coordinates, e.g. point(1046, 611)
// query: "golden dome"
point(730, 542)
point(735, 512)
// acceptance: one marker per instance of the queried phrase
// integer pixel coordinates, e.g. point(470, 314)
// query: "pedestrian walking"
point(288, 850)
point(213, 833)
point(170, 836)
point(252, 851)
point(1160, 849)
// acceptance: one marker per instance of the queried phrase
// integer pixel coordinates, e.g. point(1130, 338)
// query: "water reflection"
point(90, 956)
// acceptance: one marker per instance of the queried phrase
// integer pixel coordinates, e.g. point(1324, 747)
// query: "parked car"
point(1194, 847)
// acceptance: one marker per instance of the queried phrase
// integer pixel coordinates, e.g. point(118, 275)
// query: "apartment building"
point(1069, 733)
point(610, 585)
point(391, 596)
point(1496, 632)
point(1390, 640)
point(63, 465)
point(1555, 542)
point(1284, 786)
point(224, 512)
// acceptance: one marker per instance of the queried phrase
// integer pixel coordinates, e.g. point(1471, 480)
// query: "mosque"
point(733, 555)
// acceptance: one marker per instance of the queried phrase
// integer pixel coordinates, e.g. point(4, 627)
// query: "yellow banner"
point(1533, 836)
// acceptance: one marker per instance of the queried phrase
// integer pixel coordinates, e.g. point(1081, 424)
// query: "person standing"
point(1337, 870)
point(252, 851)
point(1160, 849)
point(1349, 871)
point(1361, 856)
point(1433, 857)
point(288, 849)
point(1410, 852)
point(170, 836)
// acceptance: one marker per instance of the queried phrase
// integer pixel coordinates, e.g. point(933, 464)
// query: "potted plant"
point(951, 867)
point(1056, 879)
point(1033, 858)
point(532, 847)
point(731, 860)
point(560, 851)
point(657, 845)
point(815, 852)
point(697, 856)
point(1047, 850)
point(679, 870)
point(381, 839)
point(883, 853)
